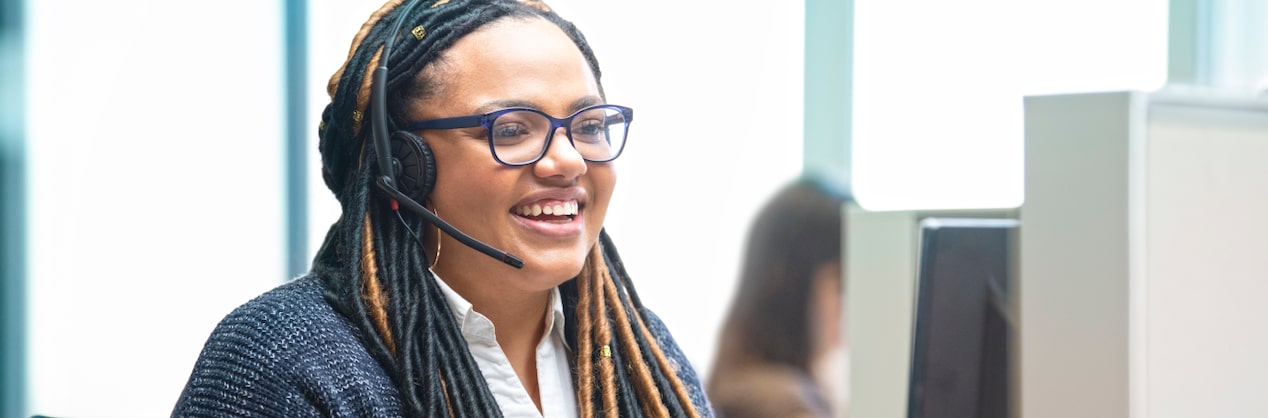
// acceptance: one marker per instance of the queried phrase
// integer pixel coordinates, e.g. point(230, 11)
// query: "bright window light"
point(939, 86)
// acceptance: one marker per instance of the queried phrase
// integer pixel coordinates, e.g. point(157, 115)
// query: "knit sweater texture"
point(288, 353)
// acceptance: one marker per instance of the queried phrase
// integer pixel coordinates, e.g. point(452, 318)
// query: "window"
point(939, 85)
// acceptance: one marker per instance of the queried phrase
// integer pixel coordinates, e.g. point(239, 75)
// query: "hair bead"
point(536, 4)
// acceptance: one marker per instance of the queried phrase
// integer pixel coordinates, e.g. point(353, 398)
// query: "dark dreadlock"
point(375, 273)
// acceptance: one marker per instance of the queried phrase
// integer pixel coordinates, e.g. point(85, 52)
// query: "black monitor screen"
point(961, 341)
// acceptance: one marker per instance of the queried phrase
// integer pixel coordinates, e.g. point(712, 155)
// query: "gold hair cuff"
point(356, 115)
point(536, 4)
point(605, 351)
point(418, 32)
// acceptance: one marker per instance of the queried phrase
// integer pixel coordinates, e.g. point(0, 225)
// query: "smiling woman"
point(470, 146)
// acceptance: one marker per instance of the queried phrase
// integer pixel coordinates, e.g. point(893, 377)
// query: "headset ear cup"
point(415, 167)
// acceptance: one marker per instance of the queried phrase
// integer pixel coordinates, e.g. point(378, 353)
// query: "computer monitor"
point(962, 342)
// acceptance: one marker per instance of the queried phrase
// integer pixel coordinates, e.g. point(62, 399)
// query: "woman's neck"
point(519, 323)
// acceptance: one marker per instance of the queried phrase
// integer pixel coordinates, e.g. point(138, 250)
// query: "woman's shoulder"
point(760, 390)
point(288, 348)
point(665, 339)
point(290, 316)
point(299, 300)
point(677, 359)
point(774, 376)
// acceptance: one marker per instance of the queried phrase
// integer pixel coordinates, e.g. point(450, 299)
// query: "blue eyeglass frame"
point(486, 121)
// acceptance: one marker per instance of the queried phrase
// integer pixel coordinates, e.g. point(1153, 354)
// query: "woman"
point(784, 325)
point(469, 274)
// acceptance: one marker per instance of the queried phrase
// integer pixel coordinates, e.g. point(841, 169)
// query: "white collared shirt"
point(554, 375)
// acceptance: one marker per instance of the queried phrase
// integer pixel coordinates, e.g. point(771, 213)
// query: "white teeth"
point(557, 209)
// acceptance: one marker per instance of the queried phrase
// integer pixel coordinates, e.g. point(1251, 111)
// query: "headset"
point(405, 156)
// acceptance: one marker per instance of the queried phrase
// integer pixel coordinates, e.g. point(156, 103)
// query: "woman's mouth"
point(549, 210)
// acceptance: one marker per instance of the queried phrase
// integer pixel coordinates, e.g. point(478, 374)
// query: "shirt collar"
point(475, 325)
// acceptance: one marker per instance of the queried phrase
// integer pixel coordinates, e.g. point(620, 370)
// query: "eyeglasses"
point(520, 136)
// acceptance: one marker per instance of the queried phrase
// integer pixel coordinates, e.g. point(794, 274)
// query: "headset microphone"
point(503, 256)
point(387, 171)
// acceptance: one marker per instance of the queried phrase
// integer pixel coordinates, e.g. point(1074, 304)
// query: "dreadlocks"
point(374, 271)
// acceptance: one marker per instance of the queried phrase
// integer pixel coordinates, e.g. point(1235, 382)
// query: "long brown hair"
point(799, 229)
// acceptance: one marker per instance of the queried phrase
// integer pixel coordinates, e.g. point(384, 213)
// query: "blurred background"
point(158, 161)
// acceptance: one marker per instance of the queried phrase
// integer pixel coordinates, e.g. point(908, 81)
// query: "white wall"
point(155, 207)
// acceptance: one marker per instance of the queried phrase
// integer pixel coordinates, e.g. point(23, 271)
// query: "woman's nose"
point(561, 159)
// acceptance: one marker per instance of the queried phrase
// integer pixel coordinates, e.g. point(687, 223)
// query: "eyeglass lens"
point(519, 137)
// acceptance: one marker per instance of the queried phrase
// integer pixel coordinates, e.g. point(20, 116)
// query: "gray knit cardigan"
point(287, 353)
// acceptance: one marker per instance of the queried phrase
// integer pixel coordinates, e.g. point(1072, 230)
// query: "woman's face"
point(513, 63)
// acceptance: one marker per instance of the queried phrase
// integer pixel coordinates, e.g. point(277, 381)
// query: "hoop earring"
point(436, 261)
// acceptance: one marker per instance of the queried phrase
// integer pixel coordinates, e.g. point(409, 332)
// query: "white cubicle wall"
point(1142, 264)
point(1143, 270)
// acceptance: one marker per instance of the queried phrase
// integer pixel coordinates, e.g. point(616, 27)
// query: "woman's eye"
point(510, 133)
point(588, 130)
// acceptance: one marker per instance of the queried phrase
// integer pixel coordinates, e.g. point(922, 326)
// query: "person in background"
point(776, 345)
point(470, 145)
